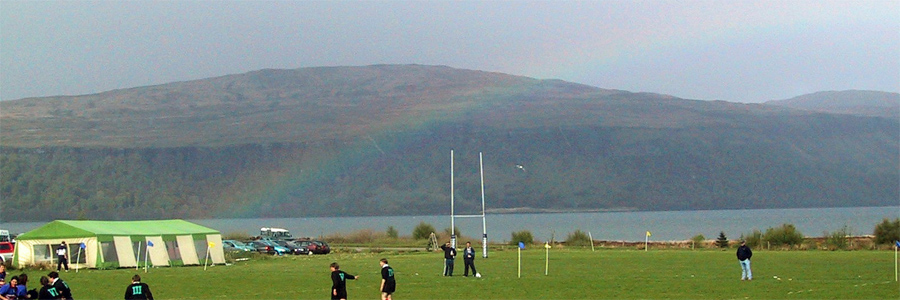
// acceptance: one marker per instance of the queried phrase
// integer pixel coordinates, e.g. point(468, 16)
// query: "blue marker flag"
point(521, 245)
point(82, 246)
point(150, 243)
point(898, 243)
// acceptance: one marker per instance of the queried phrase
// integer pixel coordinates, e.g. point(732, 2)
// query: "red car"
point(315, 247)
point(6, 251)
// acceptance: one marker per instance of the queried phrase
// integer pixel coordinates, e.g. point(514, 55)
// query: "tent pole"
point(137, 264)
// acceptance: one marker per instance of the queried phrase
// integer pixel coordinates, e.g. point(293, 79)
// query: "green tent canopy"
point(95, 244)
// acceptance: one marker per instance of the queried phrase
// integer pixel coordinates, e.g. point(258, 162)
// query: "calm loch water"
point(627, 226)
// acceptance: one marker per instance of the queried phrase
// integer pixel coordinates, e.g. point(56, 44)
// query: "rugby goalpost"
point(453, 215)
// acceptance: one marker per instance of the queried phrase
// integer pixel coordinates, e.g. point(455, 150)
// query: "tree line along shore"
point(784, 237)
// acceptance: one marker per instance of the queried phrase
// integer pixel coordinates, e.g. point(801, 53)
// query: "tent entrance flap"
point(156, 248)
point(215, 252)
point(187, 250)
point(124, 251)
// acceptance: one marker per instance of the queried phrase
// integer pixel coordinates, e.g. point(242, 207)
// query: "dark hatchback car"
point(294, 247)
point(315, 247)
point(262, 247)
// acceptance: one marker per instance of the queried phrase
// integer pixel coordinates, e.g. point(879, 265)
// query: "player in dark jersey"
point(60, 286)
point(47, 291)
point(388, 284)
point(138, 289)
point(339, 282)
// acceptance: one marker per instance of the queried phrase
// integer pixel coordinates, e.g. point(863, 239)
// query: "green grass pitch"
point(573, 274)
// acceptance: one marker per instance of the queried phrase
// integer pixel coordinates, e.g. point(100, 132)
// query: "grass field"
point(573, 274)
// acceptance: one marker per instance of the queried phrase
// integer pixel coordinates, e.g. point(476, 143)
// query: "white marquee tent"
point(111, 244)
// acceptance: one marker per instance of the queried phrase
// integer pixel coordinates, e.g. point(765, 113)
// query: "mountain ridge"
point(855, 102)
point(375, 140)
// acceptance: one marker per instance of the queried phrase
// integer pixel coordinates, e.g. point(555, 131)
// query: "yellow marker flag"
point(648, 233)
point(211, 244)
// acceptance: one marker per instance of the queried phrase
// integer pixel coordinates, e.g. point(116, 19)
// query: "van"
point(275, 233)
point(4, 236)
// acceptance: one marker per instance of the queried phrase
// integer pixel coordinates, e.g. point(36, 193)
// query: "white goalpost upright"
point(452, 219)
point(483, 220)
point(453, 215)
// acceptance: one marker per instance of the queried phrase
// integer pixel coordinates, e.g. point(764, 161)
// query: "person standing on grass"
point(62, 253)
point(449, 256)
point(743, 255)
point(388, 284)
point(339, 282)
point(469, 259)
point(138, 289)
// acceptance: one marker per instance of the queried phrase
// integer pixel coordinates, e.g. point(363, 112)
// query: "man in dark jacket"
point(138, 290)
point(60, 286)
point(469, 260)
point(449, 256)
point(743, 255)
point(339, 282)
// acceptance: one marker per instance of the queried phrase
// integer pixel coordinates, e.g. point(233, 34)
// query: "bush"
point(422, 231)
point(392, 232)
point(787, 234)
point(698, 240)
point(364, 236)
point(753, 239)
point(578, 238)
point(839, 239)
point(722, 241)
point(522, 236)
point(887, 231)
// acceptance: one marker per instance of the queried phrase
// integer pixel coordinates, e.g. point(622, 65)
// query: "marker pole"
point(77, 259)
point(206, 262)
point(547, 263)
point(520, 262)
point(592, 241)
point(146, 257)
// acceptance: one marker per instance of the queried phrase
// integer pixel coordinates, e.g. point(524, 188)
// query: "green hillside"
point(376, 140)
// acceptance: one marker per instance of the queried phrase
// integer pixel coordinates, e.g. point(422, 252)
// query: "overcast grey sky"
point(749, 51)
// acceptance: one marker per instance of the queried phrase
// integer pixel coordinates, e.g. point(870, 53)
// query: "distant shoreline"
point(528, 210)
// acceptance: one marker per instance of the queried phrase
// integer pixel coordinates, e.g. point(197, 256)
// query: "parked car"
point(232, 245)
point(315, 247)
point(268, 248)
point(6, 251)
point(281, 249)
point(294, 248)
